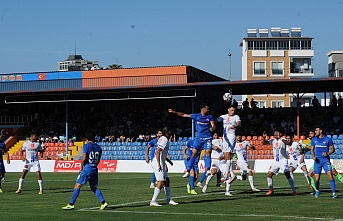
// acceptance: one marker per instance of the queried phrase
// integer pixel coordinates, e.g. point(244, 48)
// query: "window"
point(250, 45)
point(283, 45)
point(277, 104)
point(277, 67)
point(339, 73)
point(271, 45)
point(260, 45)
point(306, 44)
point(295, 45)
point(259, 68)
point(261, 104)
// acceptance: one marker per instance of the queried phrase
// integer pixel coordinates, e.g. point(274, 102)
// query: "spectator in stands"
point(235, 103)
point(253, 103)
point(334, 101)
point(315, 102)
point(340, 101)
point(97, 138)
point(245, 104)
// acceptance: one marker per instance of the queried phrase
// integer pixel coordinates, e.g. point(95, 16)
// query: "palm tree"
point(114, 66)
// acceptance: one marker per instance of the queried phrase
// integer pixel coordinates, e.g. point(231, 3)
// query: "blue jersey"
point(93, 152)
point(321, 145)
point(153, 147)
point(202, 125)
point(190, 147)
point(2, 150)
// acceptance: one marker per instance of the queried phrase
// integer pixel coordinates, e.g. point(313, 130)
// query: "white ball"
point(227, 97)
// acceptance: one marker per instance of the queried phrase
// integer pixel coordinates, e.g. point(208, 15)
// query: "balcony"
point(301, 73)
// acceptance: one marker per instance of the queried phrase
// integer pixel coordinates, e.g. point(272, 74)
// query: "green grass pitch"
point(128, 196)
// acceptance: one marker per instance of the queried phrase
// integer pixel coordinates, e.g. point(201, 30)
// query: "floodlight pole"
point(230, 64)
point(66, 137)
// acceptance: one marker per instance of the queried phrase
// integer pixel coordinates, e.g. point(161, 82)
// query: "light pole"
point(230, 64)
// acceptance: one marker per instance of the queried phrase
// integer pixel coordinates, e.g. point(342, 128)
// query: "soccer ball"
point(227, 97)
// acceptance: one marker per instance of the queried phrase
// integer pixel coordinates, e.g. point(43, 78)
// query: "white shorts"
point(35, 166)
point(243, 167)
point(229, 143)
point(215, 164)
point(160, 175)
point(295, 164)
point(281, 166)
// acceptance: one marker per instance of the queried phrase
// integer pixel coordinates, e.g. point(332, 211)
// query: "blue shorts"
point(202, 144)
point(90, 176)
point(322, 163)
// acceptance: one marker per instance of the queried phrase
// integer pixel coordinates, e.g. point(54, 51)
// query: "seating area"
point(338, 145)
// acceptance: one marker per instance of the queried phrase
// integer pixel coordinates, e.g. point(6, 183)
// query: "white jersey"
point(216, 154)
point(229, 121)
point(241, 150)
point(218, 143)
point(163, 144)
point(32, 149)
point(279, 149)
point(294, 151)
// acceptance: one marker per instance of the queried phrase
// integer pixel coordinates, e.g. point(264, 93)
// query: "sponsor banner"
point(107, 166)
point(67, 166)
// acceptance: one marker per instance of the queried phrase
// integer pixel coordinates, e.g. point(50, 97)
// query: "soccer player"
point(3, 150)
point(321, 148)
point(153, 146)
point(194, 172)
point(203, 139)
point(242, 163)
point(280, 160)
point(216, 156)
point(32, 147)
point(230, 122)
point(91, 155)
point(296, 158)
point(159, 166)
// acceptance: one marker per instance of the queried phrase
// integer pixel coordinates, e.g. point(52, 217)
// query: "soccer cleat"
point(255, 189)
point(152, 186)
point(193, 192)
point(316, 194)
point(18, 191)
point(199, 185)
point(172, 202)
point(154, 203)
point(0, 190)
point(103, 206)
point(185, 175)
point(228, 194)
point(40, 192)
point(334, 195)
point(218, 184)
point(68, 207)
point(204, 189)
point(232, 179)
point(188, 188)
point(269, 193)
point(3, 179)
point(294, 193)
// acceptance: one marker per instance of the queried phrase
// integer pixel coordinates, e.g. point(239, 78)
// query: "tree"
point(114, 66)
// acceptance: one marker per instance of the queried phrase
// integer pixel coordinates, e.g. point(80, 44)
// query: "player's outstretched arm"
point(180, 114)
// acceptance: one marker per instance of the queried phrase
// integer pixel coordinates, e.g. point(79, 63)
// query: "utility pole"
point(230, 64)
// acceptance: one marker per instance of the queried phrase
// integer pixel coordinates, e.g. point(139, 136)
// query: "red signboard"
point(107, 166)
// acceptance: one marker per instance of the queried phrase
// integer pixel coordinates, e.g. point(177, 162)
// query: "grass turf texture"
point(128, 196)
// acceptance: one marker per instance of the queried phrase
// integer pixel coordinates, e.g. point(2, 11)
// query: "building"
point(277, 54)
point(77, 63)
point(335, 68)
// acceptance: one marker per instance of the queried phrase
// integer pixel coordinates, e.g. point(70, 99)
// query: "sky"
point(36, 34)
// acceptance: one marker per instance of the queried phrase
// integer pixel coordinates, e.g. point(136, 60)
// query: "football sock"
point(40, 183)
point(191, 181)
point(190, 164)
point(333, 185)
point(153, 178)
point(156, 193)
point(21, 181)
point(228, 186)
point(99, 195)
point(251, 181)
point(291, 183)
point(340, 177)
point(74, 196)
point(228, 167)
point(312, 183)
point(203, 176)
point(209, 179)
point(167, 190)
point(219, 176)
point(270, 183)
point(316, 185)
point(306, 177)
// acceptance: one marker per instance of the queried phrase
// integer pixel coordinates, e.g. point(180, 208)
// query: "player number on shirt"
point(94, 157)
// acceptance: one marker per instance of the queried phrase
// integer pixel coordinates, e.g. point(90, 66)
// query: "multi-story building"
point(77, 63)
point(277, 54)
point(335, 68)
